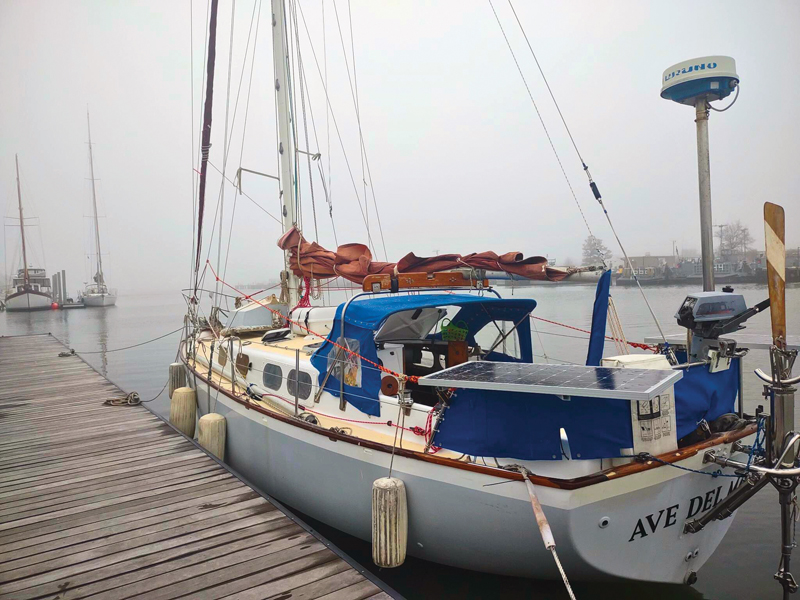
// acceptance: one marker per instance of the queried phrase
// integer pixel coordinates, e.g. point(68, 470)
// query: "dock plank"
point(110, 502)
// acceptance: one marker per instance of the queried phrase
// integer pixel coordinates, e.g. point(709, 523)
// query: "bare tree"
point(594, 251)
point(735, 237)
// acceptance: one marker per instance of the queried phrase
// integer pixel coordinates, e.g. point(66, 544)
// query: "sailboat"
point(97, 293)
point(30, 289)
point(427, 375)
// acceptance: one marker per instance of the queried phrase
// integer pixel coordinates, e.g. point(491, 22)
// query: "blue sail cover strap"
point(364, 317)
point(597, 338)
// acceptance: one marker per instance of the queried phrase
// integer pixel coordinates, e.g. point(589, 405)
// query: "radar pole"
point(704, 180)
point(697, 82)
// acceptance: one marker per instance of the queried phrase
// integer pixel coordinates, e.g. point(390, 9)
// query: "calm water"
point(752, 543)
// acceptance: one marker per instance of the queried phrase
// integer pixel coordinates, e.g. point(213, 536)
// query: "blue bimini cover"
point(703, 395)
point(363, 318)
point(527, 426)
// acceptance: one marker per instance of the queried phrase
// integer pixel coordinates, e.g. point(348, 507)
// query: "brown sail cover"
point(354, 262)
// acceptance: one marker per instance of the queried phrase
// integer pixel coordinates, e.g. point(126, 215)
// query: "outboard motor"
point(708, 315)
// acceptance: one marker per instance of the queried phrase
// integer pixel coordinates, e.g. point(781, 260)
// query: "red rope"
point(305, 301)
point(411, 378)
point(608, 337)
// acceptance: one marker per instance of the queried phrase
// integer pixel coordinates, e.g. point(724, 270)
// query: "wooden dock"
point(111, 502)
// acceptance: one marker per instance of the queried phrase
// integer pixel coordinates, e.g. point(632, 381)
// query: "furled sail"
point(354, 262)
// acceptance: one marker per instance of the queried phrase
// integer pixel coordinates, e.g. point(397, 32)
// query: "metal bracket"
point(238, 179)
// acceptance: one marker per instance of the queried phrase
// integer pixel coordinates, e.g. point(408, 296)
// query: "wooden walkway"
point(110, 502)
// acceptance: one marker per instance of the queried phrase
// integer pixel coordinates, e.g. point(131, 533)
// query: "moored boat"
point(97, 294)
point(30, 289)
point(427, 376)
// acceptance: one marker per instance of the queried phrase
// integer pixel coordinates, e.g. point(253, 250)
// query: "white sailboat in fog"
point(30, 289)
point(97, 293)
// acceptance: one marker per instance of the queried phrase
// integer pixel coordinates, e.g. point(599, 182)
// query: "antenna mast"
point(100, 280)
point(21, 225)
point(285, 142)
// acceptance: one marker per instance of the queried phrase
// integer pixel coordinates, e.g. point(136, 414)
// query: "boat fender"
point(177, 377)
point(183, 410)
point(389, 522)
point(211, 434)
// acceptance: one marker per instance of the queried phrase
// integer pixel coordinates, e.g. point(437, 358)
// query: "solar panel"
point(754, 341)
point(562, 380)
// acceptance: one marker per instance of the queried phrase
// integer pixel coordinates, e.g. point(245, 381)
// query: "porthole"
point(273, 376)
point(304, 388)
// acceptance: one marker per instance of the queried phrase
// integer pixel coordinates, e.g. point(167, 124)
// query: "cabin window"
point(303, 385)
point(273, 376)
point(501, 336)
point(351, 360)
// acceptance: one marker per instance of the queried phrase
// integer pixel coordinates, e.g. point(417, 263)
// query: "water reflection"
point(102, 321)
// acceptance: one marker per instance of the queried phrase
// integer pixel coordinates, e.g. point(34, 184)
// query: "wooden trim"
point(551, 482)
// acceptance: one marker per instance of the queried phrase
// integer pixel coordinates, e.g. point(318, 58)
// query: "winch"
point(708, 315)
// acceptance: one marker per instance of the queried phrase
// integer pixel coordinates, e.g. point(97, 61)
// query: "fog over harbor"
point(458, 158)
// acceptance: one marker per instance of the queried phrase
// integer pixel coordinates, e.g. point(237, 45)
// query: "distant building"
point(651, 264)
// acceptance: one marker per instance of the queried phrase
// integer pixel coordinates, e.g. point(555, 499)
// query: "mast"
point(100, 280)
point(21, 225)
point(280, 60)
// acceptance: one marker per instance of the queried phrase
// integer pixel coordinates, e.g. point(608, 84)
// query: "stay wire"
point(541, 120)
point(338, 132)
point(302, 81)
point(592, 184)
point(536, 60)
point(362, 147)
point(246, 113)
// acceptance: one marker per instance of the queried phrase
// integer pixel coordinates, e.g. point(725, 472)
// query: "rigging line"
point(226, 149)
point(362, 146)
point(305, 124)
point(161, 337)
point(541, 119)
point(592, 184)
point(325, 188)
point(365, 158)
point(206, 137)
point(225, 142)
point(197, 166)
point(292, 70)
point(353, 93)
point(329, 189)
point(246, 112)
point(245, 194)
point(338, 132)
point(536, 60)
point(541, 343)
point(191, 96)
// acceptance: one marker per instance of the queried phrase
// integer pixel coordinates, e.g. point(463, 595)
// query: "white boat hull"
point(28, 301)
point(96, 300)
point(454, 519)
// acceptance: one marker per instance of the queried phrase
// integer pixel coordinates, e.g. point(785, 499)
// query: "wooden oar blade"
point(775, 240)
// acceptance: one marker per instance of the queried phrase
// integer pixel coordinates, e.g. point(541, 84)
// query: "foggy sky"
point(459, 160)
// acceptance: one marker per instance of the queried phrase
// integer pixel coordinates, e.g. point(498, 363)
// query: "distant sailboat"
point(97, 293)
point(30, 289)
